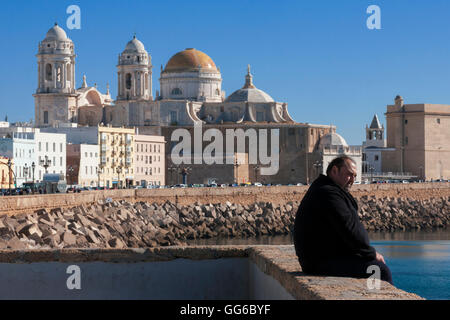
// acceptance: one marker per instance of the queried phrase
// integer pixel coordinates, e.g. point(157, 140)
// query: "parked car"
point(258, 184)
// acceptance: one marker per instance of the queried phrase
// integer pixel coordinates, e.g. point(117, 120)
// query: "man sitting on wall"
point(329, 238)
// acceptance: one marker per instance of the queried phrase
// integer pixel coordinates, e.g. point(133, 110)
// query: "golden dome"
point(190, 59)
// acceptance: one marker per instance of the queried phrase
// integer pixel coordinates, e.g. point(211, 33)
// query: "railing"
point(342, 149)
point(388, 175)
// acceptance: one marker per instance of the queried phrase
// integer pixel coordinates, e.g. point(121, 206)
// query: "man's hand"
point(380, 258)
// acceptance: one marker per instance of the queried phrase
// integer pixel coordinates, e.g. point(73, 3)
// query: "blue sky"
point(318, 56)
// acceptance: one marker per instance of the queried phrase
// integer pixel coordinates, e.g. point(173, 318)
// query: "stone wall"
point(238, 195)
point(120, 224)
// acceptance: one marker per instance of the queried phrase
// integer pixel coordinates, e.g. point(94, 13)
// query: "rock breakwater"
point(120, 224)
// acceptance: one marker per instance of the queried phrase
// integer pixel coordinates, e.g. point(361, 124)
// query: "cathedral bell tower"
point(375, 134)
point(55, 97)
point(134, 72)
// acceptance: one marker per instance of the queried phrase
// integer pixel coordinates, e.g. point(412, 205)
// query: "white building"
point(149, 164)
point(82, 164)
point(51, 152)
point(19, 146)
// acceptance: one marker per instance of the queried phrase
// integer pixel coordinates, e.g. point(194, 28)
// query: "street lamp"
point(25, 171)
point(236, 172)
point(33, 165)
point(173, 169)
point(371, 169)
point(118, 170)
point(184, 172)
point(45, 163)
point(9, 174)
point(70, 170)
point(256, 172)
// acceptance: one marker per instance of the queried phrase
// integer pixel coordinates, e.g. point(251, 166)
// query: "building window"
point(128, 81)
point(61, 147)
point(406, 121)
point(54, 147)
point(39, 146)
point(45, 117)
point(438, 121)
point(406, 140)
point(259, 116)
point(48, 72)
point(176, 91)
point(173, 117)
point(46, 146)
point(376, 158)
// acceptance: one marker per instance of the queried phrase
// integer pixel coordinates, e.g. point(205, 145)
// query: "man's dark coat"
point(327, 226)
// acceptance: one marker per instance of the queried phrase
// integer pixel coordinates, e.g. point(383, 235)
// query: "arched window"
point(58, 74)
point(45, 117)
point(128, 81)
point(48, 72)
point(176, 91)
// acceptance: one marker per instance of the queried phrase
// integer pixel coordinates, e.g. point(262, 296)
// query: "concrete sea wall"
point(189, 273)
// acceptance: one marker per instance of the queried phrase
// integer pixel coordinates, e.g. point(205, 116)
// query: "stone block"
point(68, 238)
point(116, 243)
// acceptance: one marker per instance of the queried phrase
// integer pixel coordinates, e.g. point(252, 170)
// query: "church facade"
point(190, 95)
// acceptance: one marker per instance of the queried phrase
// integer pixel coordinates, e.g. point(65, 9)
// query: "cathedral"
point(190, 91)
point(190, 94)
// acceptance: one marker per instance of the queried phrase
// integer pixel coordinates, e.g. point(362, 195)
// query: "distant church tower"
point(55, 97)
point(375, 134)
point(134, 73)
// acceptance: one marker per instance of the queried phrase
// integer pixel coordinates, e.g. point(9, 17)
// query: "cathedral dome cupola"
point(56, 33)
point(249, 93)
point(134, 46)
